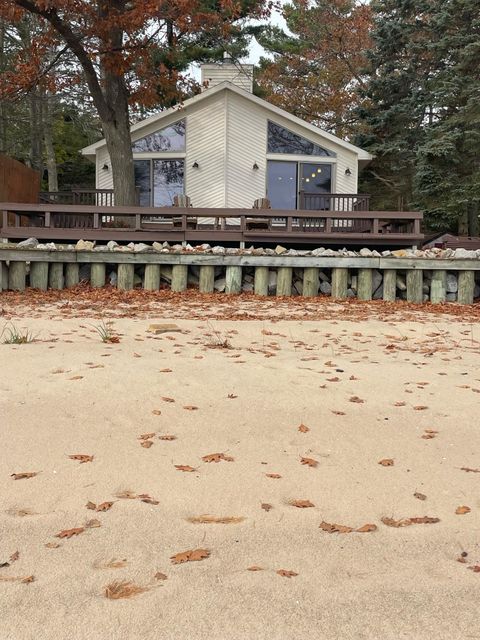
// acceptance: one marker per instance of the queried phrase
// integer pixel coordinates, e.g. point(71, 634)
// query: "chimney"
point(241, 75)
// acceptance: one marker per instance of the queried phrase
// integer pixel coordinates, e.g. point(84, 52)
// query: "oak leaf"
point(190, 407)
point(301, 504)
point(81, 457)
point(356, 399)
point(216, 457)
point(310, 462)
point(275, 476)
point(144, 497)
point(254, 567)
point(52, 545)
point(469, 470)
point(122, 589)
point(192, 555)
point(475, 568)
point(156, 412)
point(335, 528)
point(286, 574)
point(303, 428)
point(185, 467)
point(460, 511)
point(26, 474)
point(146, 436)
point(93, 524)
point(167, 437)
point(367, 528)
point(420, 408)
point(166, 399)
point(165, 370)
point(91, 505)
point(104, 506)
point(146, 444)
point(68, 533)
point(126, 495)
point(419, 496)
point(338, 413)
point(265, 506)
point(386, 462)
point(207, 519)
point(160, 576)
point(15, 556)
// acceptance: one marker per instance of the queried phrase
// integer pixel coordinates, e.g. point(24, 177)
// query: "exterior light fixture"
point(348, 172)
point(105, 167)
point(255, 166)
point(195, 165)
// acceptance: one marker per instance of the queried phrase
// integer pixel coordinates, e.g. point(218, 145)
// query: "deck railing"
point(334, 201)
point(63, 221)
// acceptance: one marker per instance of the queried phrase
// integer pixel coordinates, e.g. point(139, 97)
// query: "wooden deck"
point(63, 222)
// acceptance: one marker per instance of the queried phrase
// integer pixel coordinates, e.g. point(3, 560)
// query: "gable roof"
point(228, 86)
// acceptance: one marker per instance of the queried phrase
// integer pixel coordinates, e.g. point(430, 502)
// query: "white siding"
point(239, 75)
point(103, 178)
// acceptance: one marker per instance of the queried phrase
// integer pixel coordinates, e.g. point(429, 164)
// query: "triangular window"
point(281, 140)
point(171, 138)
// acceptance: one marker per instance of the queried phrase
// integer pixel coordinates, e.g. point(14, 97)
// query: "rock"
point(323, 277)
point(386, 254)
point(451, 297)
point(219, 251)
point(113, 278)
point(476, 291)
point(50, 246)
point(84, 245)
point(203, 248)
point(247, 287)
point(365, 253)
point(399, 253)
point(375, 254)
point(452, 283)
point(279, 250)
point(111, 245)
point(122, 248)
point(329, 253)
point(258, 252)
point(30, 243)
point(401, 283)
point(326, 287)
point(84, 272)
point(163, 328)
point(157, 246)
point(377, 279)
point(350, 293)
point(378, 293)
point(231, 251)
point(465, 254)
point(272, 281)
point(42, 246)
point(318, 252)
point(292, 252)
point(219, 285)
point(166, 273)
point(448, 253)
point(269, 252)
point(141, 247)
point(177, 248)
point(101, 247)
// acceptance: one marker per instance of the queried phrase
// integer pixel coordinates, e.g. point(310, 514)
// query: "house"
point(225, 147)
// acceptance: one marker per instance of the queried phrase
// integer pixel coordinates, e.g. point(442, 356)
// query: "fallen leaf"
point(156, 412)
point(475, 568)
point(144, 497)
point(356, 399)
point(303, 428)
point(126, 495)
point(469, 470)
point(22, 579)
point(68, 533)
point(160, 576)
point(52, 545)
point(216, 457)
point(254, 567)
point(335, 379)
point(166, 399)
point(367, 528)
point(15, 556)
point(167, 437)
point(399, 404)
point(21, 513)
point(424, 520)
point(275, 476)
point(111, 564)
point(419, 496)
point(190, 556)
point(190, 407)
point(122, 589)
point(335, 528)
point(165, 370)
point(93, 524)
point(301, 504)
point(310, 462)
point(460, 511)
point(420, 408)
point(146, 444)
point(207, 519)
point(104, 506)
point(26, 474)
point(185, 467)
point(146, 436)
point(232, 396)
point(265, 506)
point(286, 574)
point(406, 522)
point(386, 462)
point(81, 457)
point(91, 505)
point(76, 378)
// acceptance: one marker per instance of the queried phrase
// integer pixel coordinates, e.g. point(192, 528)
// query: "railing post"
point(4, 219)
point(47, 220)
point(96, 218)
point(375, 225)
point(138, 223)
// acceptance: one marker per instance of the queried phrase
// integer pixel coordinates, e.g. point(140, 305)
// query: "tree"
point(126, 52)
point(316, 70)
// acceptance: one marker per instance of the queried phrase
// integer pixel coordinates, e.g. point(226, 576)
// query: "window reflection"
point(281, 140)
point(170, 138)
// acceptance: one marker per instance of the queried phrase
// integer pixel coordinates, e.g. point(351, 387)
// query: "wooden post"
point(4, 275)
point(125, 276)
point(466, 287)
point(1, 277)
point(415, 285)
point(284, 281)
point(233, 279)
point(207, 278)
point(55, 275)
point(39, 275)
point(438, 288)
point(311, 282)
point(390, 285)
point(72, 276)
point(97, 274)
point(151, 281)
point(179, 277)
point(339, 282)
point(261, 281)
point(364, 286)
point(16, 275)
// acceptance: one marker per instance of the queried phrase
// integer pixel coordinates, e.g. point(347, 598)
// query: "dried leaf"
point(207, 519)
point(167, 437)
point(165, 399)
point(420, 408)
point(424, 520)
point(192, 555)
point(254, 567)
point(386, 462)
point(286, 574)
point(301, 504)
point(122, 589)
point(76, 378)
point(469, 470)
point(68, 533)
point(185, 467)
point(339, 413)
point(367, 528)
point(146, 436)
point(22, 579)
point(126, 495)
point(475, 568)
point(52, 545)
point(146, 444)
point(275, 476)
point(81, 457)
point(419, 496)
point(406, 522)
point(232, 396)
point(93, 524)
point(26, 474)
point(356, 399)
point(15, 556)
point(266, 507)
point(460, 511)
point(144, 497)
point(335, 528)
point(310, 462)
point(156, 412)
point(303, 428)
point(400, 404)
point(216, 457)
point(111, 564)
point(91, 505)
point(160, 576)
point(104, 506)
point(190, 407)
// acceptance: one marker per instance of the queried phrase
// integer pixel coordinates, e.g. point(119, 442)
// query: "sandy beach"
point(361, 414)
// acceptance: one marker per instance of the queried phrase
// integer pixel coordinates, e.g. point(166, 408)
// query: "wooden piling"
point(415, 285)
point(97, 274)
point(339, 282)
point(39, 275)
point(364, 284)
point(16, 275)
point(72, 274)
point(179, 277)
point(466, 287)
point(311, 282)
point(207, 278)
point(438, 287)
point(390, 285)
point(55, 275)
point(233, 279)
point(261, 281)
point(284, 281)
point(125, 276)
point(151, 281)
point(3, 276)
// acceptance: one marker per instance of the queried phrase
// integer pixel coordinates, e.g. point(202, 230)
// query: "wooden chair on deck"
point(185, 202)
point(259, 223)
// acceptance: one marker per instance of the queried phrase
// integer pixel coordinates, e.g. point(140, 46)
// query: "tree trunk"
point(473, 222)
point(35, 131)
point(463, 223)
point(48, 140)
point(117, 136)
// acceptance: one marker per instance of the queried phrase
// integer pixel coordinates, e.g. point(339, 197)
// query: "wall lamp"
point(255, 166)
point(195, 165)
point(348, 172)
point(105, 167)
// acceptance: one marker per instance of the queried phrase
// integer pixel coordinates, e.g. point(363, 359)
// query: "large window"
point(158, 181)
point(281, 140)
point(170, 138)
point(290, 183)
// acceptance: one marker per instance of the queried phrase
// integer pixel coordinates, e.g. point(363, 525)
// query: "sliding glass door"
point(292, 185)
point(159, 181)
point(282, 184)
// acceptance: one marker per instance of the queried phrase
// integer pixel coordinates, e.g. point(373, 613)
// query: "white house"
point(226, 147)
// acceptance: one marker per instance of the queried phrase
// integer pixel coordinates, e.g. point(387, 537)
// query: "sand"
point(68, 393)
